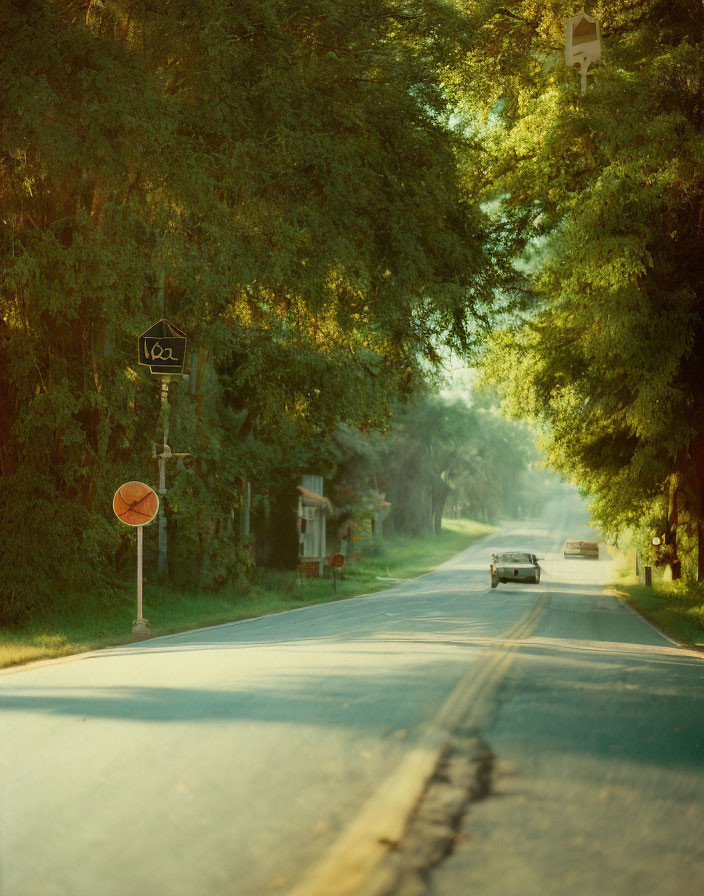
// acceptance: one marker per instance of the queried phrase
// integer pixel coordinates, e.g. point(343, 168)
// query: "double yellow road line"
point(473, 693)
point(354, 865)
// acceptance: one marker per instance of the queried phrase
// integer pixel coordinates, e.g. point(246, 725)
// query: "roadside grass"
point(675, 608)
point(79, 625)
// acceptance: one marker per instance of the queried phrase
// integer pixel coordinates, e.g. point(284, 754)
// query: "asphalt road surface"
point(257, 757)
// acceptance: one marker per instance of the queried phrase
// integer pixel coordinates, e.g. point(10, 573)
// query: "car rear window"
point(514, 558)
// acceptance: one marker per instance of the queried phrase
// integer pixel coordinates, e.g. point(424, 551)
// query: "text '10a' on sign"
point(162, 348)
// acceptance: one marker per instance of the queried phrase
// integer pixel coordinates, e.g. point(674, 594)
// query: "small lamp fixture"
point(582, 43)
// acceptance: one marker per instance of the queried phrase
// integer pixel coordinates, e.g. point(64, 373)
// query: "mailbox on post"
point(337, 561)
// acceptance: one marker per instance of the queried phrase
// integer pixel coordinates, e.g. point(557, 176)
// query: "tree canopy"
point(604, 196)
point(282, 181)
point(322, 195)
point(440, 455)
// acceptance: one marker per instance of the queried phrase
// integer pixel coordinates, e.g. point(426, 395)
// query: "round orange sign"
point(135, 503)
point(337, 560)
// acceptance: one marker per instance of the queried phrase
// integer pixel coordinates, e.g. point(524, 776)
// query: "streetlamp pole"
point(162, 348)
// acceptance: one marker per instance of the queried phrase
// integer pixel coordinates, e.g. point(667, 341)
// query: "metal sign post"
point(648, 570)
point(140, 582)
point(136, 504)
point(336, 561)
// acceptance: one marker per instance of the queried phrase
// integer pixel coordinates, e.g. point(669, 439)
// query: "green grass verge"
point(79, 625)
point(676, 608)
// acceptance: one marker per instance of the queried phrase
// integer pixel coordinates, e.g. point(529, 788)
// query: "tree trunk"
point(439, 496)
point(697, 469)
point(671, 534)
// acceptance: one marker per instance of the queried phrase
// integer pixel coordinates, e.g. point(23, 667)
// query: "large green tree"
point(603, 195)
point(280, 180)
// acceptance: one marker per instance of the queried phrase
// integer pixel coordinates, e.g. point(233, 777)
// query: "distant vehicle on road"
point(514, 566)
point(587, 549)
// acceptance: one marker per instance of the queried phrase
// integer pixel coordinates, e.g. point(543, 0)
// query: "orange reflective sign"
point(135, 503)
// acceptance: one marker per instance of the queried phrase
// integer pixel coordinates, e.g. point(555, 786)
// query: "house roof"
point(311, 498)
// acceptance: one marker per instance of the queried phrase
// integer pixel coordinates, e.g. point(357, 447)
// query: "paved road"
point(598, 729)
point(234, 759)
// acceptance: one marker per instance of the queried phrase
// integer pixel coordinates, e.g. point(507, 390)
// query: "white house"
point(313, 509)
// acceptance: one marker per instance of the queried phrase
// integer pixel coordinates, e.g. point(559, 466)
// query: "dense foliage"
point(441, 456)
point(279, 180)
point(321, 195)
point(604, 197)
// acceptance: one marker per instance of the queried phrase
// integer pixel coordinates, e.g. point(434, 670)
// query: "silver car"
point(514, 566)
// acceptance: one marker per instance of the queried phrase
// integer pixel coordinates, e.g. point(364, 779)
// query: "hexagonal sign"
point(162, 348)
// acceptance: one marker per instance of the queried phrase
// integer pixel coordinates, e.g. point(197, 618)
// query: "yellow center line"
point(354, 864)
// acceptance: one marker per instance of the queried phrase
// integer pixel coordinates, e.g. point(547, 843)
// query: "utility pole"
point(166, 453)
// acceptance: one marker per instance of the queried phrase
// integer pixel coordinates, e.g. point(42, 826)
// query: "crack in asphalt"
point(463, 776)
